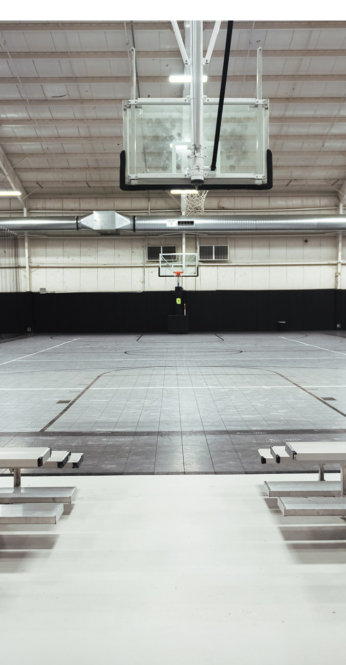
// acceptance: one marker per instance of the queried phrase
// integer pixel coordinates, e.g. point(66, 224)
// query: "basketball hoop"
point(193, 204)
point(178, 273)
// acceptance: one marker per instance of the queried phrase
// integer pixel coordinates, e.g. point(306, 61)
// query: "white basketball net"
point(193, 204)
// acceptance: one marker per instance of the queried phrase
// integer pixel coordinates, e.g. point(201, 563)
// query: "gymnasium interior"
point(172, 355)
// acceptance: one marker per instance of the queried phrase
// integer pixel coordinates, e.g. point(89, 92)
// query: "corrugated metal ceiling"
point(61, 92)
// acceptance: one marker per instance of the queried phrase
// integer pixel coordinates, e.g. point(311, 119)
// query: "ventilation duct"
point(111, 222)
point(243, 224)
point(105, 221)
point(39, 224)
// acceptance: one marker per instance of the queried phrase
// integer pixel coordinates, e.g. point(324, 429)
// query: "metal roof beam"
point(112, 169)
point(113, 153)
point(100, 26)
point(117, 138)
point(109, 122)
point(117, 103)
point(240, 78)
point(89, 185)
point(64, 122)
point(169, 55)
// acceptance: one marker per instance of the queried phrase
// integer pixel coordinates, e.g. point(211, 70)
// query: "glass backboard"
point(157, 142)
point(186, 264)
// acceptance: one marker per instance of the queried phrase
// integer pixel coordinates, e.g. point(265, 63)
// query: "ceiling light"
point(184, 191)
point(10, 192)
point(184, 78)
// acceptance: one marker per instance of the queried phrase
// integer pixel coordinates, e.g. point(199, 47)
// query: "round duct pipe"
point(242, 223)
point(39, 224)
point(112, 222)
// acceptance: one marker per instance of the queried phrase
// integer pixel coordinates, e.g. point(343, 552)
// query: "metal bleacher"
point(316, 497)
point(35, 505)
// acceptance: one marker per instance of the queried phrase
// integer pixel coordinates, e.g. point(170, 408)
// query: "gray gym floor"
point(145, 404)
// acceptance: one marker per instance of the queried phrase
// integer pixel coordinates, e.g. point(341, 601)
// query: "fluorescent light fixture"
point(10, 192)
point(184, 191)
point(184, 78)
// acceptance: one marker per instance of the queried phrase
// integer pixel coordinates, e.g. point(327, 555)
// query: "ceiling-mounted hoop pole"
point(197, 156)
point(133, 73)
point(181, 44)
point(222, 94)
point(211, 46)
point(259, 73)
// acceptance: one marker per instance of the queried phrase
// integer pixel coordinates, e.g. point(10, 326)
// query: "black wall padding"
point(320, 309)
point(15, 312)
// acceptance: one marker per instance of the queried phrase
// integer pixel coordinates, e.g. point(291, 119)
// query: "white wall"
point(108, 263)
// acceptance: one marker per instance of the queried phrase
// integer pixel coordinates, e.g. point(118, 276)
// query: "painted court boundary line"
point(177, 388)
point(314, 345)
point(36, 352)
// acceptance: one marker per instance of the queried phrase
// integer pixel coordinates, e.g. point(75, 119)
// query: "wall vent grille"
point(213, 253)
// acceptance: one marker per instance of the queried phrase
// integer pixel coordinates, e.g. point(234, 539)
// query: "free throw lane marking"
point(36, 352)
point(314, 345)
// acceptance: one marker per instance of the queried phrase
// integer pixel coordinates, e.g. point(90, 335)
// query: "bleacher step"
point(302, 488)
point(58, 459)
point(10, 495)
point(314, 506)
point(29, 513)
point(75, 460)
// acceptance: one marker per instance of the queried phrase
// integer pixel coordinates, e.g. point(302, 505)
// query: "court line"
point(161, 388)
point(42, 350)
point(314, 345)
point(174, 388)
point(193, 357)
point(51, 422)
point(305, 390)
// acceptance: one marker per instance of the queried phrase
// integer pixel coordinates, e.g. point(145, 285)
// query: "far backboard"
point(185, 263)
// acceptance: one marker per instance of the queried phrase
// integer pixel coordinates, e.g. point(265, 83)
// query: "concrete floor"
point(161, 404)
point(195, 570)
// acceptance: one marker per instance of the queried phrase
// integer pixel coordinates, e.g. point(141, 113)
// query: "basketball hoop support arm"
point(259, 74)
point(181, 44)
point(197, 156)
point(133, 73)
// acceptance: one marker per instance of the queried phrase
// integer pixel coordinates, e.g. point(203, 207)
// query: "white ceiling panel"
point(4, 68)
point(303, 39)
point(16, 41)
point(39, 41)
point(66, 41)
point(147, 40)
point(47, 68)
point(278, 39)
point(321, 65)
point(331, 39)
point(167, 39)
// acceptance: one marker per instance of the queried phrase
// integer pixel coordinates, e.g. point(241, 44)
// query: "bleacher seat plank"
point(9, 495)
point(302, 488)
point(58, 459)
point(313, 506)
point(28, 513)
